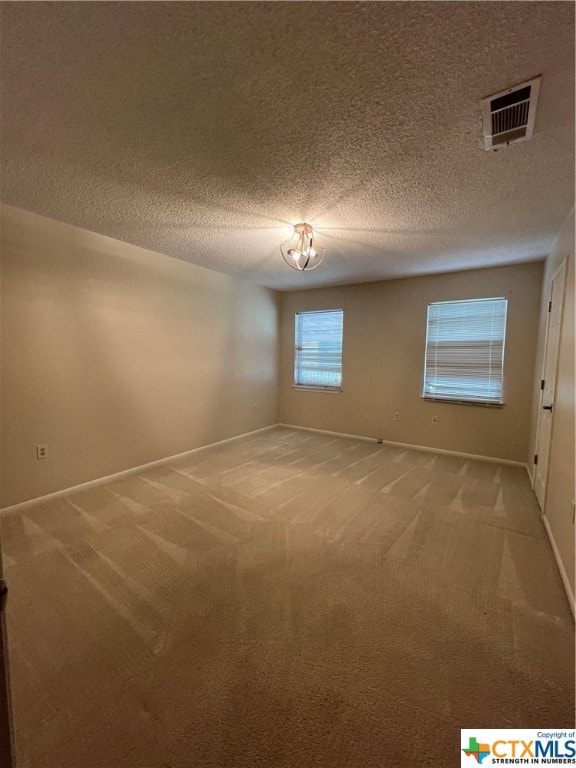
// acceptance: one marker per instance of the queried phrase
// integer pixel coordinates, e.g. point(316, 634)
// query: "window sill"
point(456, 401)
point(329, 390)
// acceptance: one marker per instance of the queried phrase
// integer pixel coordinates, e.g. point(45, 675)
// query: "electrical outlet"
point(397, 416)
point(434, 419)
point(254, 407)
point(41, 451)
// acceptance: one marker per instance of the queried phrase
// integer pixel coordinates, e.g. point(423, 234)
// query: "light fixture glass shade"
point(302, 252)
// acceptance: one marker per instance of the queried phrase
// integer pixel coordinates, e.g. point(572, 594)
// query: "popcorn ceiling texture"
point(204, 130)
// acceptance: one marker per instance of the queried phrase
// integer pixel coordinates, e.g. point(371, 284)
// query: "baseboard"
point(132, 471)
point(141, 467)
point(426, 448)
point(561, 568)
point(327, 432)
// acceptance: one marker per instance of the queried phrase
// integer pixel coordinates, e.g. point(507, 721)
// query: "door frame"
point(7, 758)
point(562, 266)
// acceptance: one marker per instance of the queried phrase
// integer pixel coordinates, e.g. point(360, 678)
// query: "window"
point(465, 351)
point(318, 349)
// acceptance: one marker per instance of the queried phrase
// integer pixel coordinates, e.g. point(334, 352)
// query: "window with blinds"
point(465, 351)
point(318, 349)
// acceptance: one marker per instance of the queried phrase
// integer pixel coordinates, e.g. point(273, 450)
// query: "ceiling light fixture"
point(301, 252)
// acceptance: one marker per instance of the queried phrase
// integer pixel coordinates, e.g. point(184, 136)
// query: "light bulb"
point(303, 256)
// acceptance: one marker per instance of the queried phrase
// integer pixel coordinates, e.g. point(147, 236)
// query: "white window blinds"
point(318, 349)
point(465, 351)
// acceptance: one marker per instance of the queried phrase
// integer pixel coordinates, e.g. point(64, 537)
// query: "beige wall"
point(560, 488)
point(115, 356)
point(383, 359)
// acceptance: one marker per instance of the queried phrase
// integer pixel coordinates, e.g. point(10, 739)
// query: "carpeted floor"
point(286, 600)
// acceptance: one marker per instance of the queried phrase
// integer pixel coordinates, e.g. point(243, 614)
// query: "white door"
point(546, 413)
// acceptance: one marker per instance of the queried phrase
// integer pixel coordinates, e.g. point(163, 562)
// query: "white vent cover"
point(509, 116)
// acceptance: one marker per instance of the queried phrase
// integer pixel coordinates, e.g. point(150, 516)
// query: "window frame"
point(316, 387)
point(458, 399)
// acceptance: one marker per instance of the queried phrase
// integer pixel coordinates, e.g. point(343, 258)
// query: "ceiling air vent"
point(509, 116)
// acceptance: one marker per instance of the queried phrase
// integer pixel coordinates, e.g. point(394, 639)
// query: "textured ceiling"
point(203, 130)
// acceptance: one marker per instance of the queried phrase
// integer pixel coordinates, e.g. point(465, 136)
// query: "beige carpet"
point(288, 599)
